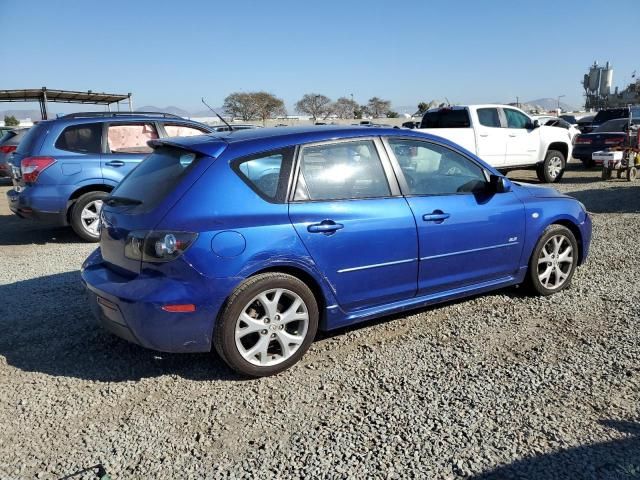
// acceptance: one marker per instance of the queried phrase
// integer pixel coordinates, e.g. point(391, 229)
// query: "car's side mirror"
point(499, 184)
point(533, 124)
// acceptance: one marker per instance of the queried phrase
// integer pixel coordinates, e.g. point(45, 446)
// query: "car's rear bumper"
point(584, 153)
point(23, 207)
point(131, 308)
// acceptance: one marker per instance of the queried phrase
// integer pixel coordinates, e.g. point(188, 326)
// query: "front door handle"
point(484, 134)
point(326, 226)
point(115, 163)
point(437, 216)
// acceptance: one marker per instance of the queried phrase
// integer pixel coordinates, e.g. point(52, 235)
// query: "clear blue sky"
point(174, 52)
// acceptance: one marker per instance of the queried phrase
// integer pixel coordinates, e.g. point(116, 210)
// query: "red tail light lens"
point(583, 141)
point(8, 148)
point(32, 167)
point(614, 140)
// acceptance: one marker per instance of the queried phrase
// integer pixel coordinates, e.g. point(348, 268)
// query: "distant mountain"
point(551, 104)
point(170, 109)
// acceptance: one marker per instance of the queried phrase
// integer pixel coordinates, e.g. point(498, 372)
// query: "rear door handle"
point(115, 163)
point(484, 134)
point(512, 135)
point(437, 216)
point(326, 226)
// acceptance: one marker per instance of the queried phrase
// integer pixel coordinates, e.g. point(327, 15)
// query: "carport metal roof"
point(44, 95)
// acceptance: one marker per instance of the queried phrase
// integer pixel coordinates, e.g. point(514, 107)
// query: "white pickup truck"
point(504, 137)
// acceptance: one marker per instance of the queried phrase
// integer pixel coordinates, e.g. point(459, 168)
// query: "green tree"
point(268, 105)
point(241, 105)
point(314, 105)
point(11, 121)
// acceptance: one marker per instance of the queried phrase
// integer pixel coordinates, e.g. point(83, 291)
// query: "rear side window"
point(489, 117)
point(31, 139)
point(267, 173)
point(446, 118)
point(130, 138)
point(157, 175)
point(182, 130)
point(340, 171)
point(85, 138)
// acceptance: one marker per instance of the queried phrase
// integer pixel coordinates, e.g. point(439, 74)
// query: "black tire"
point(619, 173)
point(533, 274)
point(76, 215)
point(548, 171)
point(606, 173)
point(224, 333)
point(588, 164)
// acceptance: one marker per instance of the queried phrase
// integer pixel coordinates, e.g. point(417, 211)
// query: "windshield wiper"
point(112, 201)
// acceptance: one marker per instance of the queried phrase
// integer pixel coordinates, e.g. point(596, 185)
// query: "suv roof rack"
point(119, 114)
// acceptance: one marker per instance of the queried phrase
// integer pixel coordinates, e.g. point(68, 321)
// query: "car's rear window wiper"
point(111, 201)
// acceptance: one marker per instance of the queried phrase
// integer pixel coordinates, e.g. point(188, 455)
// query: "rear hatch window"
point(148, 184)
point(446, 118)
point(31, 140)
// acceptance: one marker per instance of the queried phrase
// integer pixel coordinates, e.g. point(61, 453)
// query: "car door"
point(358, 229)
point(125, 146)
point(491, 138)
point(523, 141)
point(467, 235)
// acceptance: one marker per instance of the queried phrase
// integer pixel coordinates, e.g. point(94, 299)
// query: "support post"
point(130, 102)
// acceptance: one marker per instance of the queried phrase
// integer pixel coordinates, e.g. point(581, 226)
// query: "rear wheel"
point(85, 216)
point(552, 168)
point(554, 260)
point(267, 325)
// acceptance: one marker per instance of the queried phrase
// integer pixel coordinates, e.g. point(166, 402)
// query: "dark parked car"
point(8, 144)
point(610, 134)
point(66, 167)
point(251, 241)
point(609, 114)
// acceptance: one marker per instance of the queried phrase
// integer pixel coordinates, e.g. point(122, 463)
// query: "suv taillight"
point(157, 246)
point(32, 167)
point(582, 140)
point(7, 148)
point(614, 140)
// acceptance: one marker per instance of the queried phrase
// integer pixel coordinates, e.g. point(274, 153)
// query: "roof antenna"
point(222, 119)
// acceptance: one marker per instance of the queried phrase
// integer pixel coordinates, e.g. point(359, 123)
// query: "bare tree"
point(378, 107)
point(345, 108)
point(314, 105)
point(241, 105)
point(268, 105)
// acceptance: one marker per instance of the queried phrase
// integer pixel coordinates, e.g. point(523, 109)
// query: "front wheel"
point(85, 216)
point(554, 260)
point(552, 168)
point(267, 325)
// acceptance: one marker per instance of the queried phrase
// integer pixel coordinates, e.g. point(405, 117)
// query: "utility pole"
point(559, 97)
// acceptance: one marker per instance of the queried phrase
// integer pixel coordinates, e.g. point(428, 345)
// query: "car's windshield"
point(617, 125)
point(605, 115)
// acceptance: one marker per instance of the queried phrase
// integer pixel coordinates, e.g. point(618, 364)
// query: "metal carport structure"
point(44, 95)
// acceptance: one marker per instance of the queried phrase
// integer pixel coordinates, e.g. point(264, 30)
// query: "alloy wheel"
point(271, 327)
point(554, 166)
point(555, 262)
point(90, 216)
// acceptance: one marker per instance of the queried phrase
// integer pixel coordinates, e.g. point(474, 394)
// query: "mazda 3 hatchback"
point(250, 241)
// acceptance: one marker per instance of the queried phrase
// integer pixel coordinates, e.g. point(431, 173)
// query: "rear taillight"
point(32, 167)
point(583, 140)
point(8, 148)
point(157, 246)
point(614, 140)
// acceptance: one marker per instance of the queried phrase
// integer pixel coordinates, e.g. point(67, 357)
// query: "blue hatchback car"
point(252, 240)
point(64, 168)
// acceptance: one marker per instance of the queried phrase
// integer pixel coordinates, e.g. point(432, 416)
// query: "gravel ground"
point(500, 386)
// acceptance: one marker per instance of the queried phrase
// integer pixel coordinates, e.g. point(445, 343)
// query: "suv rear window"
point(157, 175)
point(30, 140)
point(446, 118)
point(84, 138)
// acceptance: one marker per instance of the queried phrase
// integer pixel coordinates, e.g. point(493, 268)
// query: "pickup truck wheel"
point(552, 169)
point(85, 215)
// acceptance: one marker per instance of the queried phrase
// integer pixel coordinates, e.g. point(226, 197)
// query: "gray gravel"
point(500, 386)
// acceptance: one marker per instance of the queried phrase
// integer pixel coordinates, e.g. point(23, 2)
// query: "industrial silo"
point(606, 80)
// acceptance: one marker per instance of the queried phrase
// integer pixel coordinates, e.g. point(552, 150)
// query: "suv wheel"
point(267, 325)
point(552, 168)
point(85, 215)
point(554, 260)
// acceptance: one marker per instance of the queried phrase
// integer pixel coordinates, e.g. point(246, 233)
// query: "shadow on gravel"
point(18, 231)
point(620, 199)
point(46, 326)
point(617, 459)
